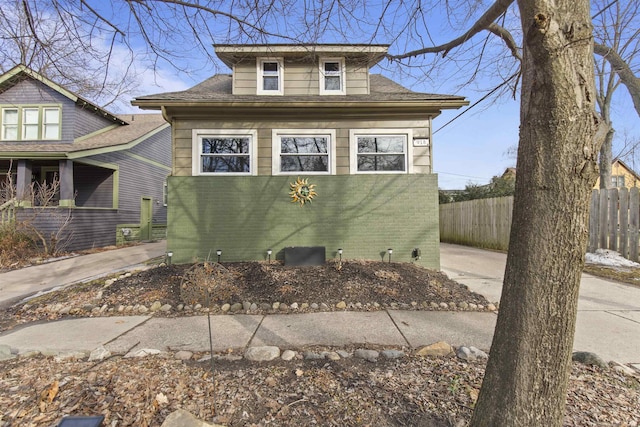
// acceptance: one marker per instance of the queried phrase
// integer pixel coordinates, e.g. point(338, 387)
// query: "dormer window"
point(270, 76)
point(332, 76)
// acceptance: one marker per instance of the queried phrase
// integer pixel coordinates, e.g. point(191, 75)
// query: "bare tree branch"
point(622, 69)
point(483, 23)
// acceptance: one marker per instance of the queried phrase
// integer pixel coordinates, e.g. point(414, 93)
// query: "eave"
point(325, 109)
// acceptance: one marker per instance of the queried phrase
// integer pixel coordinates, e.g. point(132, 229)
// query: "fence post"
point(613, 218)
point(594, 218)
point(604, 216)
point(623, 197)
point(634, 216)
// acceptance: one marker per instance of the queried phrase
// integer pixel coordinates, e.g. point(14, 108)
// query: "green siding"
point(363, 214)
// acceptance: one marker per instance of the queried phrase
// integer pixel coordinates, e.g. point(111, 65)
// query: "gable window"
point(306, 150)
point(228, 152)
point(617, 181)
point(51, 123)
point(376, 151)
point(270, 76)
point(30, 123)
point(9, 123)
point(332, 76)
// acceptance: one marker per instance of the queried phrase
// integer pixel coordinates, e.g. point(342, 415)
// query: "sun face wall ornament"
point(302, 192)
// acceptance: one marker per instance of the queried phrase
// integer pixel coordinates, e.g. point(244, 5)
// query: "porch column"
point(65, 169)
point(23, 182)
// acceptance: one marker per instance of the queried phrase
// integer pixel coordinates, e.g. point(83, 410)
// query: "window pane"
point(51, 115)
point(270, 83)
point(303, 144)
point(304, 164)
point(332, 67)
point(225, 145)
point(381, 144)
point(30, 131)
point(225, 164)
point(10, 117)
point(332, 83)
point(270, 67)
point(381, 163)
point(30, 116)
point(10, 132)
point(51, 131)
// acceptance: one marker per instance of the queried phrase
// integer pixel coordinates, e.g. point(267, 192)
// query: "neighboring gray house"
point(301, 146)
point(111, 169)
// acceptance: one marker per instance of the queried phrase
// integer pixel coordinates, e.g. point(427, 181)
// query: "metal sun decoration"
point(302, 192)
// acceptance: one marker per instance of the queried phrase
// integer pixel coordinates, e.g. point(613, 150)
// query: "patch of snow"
point(609, 258)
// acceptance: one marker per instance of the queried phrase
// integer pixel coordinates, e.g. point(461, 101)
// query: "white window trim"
point(196, 151)
point(343, 77)
point(275, 149)
point(353, 149)
point(259, 76)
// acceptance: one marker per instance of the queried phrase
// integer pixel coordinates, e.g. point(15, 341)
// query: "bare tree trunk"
point(526, 378)
point(606, 158)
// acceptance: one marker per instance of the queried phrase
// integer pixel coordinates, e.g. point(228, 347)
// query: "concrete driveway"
point(608, 312)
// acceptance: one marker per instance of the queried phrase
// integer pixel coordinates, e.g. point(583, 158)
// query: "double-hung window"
point(303, 151)
point(30, 123)
point(332, 76)
point(617, 181)
point(10, 123)
point(270, 73)
point(380, 151)
point(50, 123)
point(229, 152)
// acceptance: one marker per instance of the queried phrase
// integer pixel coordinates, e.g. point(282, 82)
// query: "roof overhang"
point(431, 104)
point(233, 53)
point(333, 110)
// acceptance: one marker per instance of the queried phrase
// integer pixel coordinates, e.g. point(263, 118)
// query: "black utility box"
point(304, 255)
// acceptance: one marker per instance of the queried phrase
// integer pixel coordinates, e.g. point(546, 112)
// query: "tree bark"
point(526, 377)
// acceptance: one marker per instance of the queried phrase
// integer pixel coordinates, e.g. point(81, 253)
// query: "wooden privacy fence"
point(483, 222)
point(486, 223)
point(613, 223)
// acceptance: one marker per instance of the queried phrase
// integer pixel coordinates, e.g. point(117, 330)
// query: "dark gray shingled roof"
point(218, 89)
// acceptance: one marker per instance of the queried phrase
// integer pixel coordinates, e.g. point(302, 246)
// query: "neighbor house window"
point(297, 151)
point(230, 152)
point(9, 123)
point(270, 76)
point(617, 181)
point(332, 76)
point(31, 123)
point(376, 151)
point(50, 123)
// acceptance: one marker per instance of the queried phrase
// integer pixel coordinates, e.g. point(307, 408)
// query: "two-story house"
point(302, 147)
point(111, 169)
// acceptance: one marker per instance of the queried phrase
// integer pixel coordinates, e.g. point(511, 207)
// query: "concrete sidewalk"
point(608, 317)
point(18, 284)
point(290, 331)
point(608, 322)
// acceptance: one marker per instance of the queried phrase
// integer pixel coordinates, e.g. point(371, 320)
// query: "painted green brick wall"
point(363, 214)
